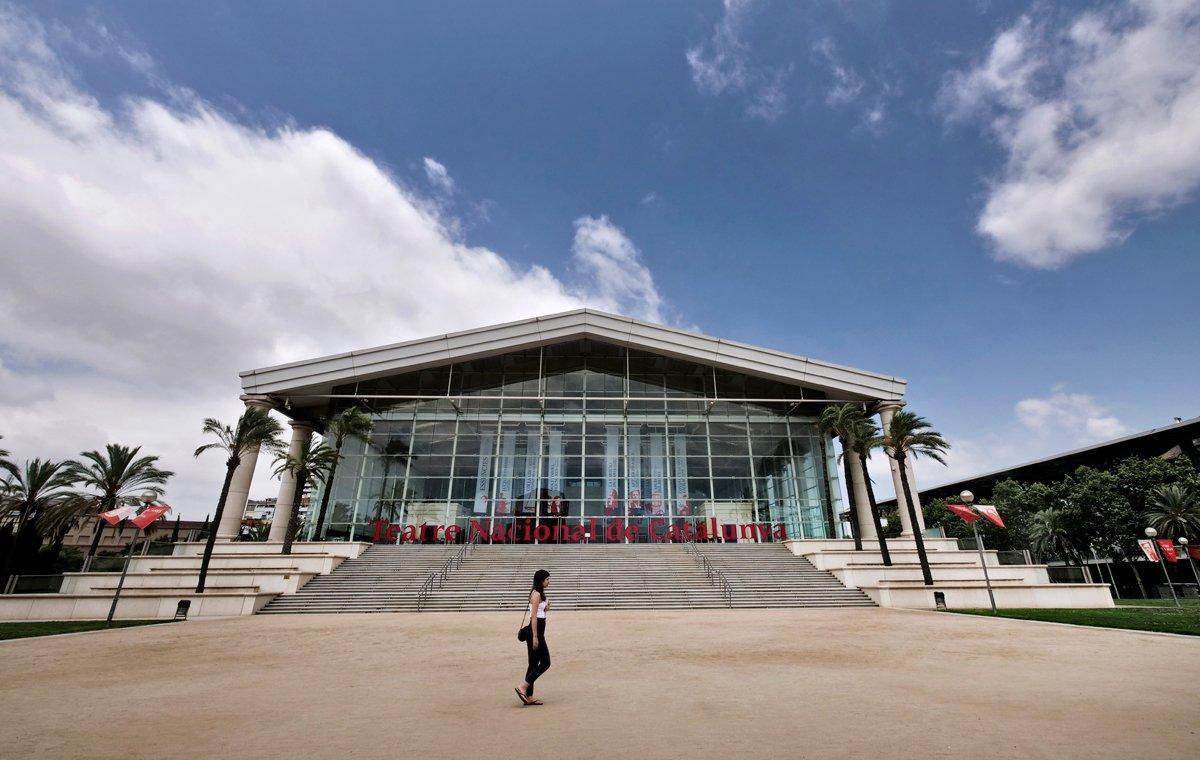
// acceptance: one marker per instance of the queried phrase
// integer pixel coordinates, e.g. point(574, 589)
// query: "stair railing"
point(713, 573)
point(438, 577)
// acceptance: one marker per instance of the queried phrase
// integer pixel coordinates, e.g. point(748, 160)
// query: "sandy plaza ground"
point(763, 683)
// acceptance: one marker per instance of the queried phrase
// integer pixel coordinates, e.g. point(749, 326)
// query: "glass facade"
point(584, 440)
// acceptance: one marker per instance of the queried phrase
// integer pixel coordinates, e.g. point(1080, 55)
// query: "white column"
point(239, 486)
point(866, 526)
point(301, 431)
point(886, 411)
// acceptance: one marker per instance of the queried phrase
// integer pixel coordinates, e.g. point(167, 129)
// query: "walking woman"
point(534, 636)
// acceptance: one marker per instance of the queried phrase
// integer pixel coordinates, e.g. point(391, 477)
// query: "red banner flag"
point(991, 513)
point(150, 514)
point(963, 511)
point(114, 516)
point(1167, 545)
point(1148, 549)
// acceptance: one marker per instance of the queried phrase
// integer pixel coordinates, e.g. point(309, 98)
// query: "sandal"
point(524, 699)
point(535, 702)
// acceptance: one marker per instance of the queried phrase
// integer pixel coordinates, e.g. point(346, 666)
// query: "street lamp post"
point(146, 498)
point(967, 498)
point(1184, 543)
point(1150, 534)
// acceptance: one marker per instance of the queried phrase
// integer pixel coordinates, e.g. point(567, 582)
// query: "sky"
point(995, 201)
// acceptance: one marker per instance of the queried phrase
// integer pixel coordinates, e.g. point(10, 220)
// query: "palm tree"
point(256, 430)
point(867, 439)
point(1176, 511)
point(115, 476)
point(1048, 534)
point(32, 491)
point(311, 464)
point(7, 468)
point(910, 435)
point(840, 421)
point(351, 422)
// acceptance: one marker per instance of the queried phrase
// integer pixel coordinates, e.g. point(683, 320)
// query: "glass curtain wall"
point(584, 441)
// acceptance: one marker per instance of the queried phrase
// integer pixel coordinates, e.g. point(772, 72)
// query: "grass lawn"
point(1156, 603)
point(1156, 618)
point(23, 630)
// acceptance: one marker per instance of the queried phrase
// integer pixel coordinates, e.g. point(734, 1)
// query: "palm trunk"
point(833, 519)
point(926, 575)
point(99, 531)
point(289, 536)
point(883, 547)
point(230, 467)
point(854, 505)
point(325, 495)
point(13, 548)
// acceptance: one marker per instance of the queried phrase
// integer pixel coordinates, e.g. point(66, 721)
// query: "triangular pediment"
point(318, 376)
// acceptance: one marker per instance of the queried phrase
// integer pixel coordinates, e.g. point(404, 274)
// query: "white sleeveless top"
point(541, 610)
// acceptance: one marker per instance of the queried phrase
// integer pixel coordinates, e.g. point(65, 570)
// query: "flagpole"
point(1151, 533)
point(969, 497)
point(1184, 542)
point(148, 498)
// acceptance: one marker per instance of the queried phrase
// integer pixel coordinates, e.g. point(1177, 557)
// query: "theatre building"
point(643, 466)
point(582, 426)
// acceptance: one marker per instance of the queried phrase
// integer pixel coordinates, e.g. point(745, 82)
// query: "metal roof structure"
point(316, 377)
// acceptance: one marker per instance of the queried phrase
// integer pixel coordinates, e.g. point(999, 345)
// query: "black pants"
point(539, 659)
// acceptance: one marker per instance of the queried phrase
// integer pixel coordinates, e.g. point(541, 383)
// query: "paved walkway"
point(806, 683)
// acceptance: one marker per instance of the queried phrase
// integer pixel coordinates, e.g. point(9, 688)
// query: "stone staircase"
point(384, 578)
point(583, 576)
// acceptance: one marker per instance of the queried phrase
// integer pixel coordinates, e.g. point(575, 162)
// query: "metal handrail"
point(438, 577)
point(714, 574)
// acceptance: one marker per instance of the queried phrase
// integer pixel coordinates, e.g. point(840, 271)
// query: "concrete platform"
point(137, 605)
point(863, 683)
point(962, 595)
point(343, 549)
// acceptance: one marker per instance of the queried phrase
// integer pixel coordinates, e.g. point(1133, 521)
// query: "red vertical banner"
point(1148, 549)
point(1167, 546)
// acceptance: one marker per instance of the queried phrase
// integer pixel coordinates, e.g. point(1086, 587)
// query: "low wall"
point(265, 581)
point(803, 546)
point(143, 606)
point(343, 549)
point(975, 595)
point(858, 576)
point(832, 560)
point(304, 563)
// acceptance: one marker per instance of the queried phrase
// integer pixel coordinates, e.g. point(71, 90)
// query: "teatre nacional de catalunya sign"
point(613, 530)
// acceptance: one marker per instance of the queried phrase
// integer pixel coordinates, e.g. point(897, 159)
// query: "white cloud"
point(608, 258)
point(154, 247)
point(1072, 414)
point(1100, 120)
point(438, 177)
point(848, 89)
point(722, 65)
point(1041, 426)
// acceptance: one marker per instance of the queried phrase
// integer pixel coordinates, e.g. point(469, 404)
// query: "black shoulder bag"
point(523, 632)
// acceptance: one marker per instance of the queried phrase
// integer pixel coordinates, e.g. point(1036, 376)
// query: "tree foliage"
point(1106, 509)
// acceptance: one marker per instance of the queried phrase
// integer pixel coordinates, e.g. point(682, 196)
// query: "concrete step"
point(596, 576)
